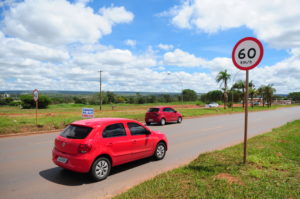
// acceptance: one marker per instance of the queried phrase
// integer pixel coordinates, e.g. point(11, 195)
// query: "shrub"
point(15, 103)
point(6, 101)
point(200, 103)
point(28, 102)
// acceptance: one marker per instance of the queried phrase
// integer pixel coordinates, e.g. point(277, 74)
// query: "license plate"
point(150, 120)
point(62, 160)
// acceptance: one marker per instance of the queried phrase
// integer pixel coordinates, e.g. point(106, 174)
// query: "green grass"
point(272, 171)
point(16, 120)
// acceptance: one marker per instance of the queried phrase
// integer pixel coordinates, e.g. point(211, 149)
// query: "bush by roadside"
point(27, 102)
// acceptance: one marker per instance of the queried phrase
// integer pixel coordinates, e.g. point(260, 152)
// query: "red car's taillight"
point(84, 148)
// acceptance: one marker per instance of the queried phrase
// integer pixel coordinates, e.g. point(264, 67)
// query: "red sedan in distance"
point(96, 145)
point(162, 115)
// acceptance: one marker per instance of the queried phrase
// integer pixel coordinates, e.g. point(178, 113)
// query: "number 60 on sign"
point(247, 53)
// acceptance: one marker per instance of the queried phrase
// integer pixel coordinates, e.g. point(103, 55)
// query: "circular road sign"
point(35, 94)
point(247, 53)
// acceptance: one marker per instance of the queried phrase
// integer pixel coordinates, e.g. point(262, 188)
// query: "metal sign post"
point(246, 117)
point(35, 94)
point(246, 55)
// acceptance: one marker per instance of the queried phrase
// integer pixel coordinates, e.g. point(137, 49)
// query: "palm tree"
point(269, 93)
point(266, 93)
point(223, 77)
point(261, 93)
point(240, 85)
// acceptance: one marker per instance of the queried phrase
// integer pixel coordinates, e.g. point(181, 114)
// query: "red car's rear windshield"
point(151, 110)
point(76, 132)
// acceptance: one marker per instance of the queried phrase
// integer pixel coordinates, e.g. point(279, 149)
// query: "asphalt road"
point(26, 169)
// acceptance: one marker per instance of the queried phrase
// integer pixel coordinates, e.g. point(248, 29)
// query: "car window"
point(76, 132)
point(172, 110)
point(114, 130)
point(166, 110)
point(151, 110)
point(136, 129)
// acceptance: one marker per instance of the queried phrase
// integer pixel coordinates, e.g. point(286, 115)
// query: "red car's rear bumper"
point(153, 119)
point(78, 163)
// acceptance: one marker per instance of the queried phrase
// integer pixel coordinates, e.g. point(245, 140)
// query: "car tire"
point(162, 121)
point(148, 123)
point(179, 120)
point(160, 151)
point(100, 169)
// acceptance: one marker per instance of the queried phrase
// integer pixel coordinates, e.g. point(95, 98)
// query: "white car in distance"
point(212, 105)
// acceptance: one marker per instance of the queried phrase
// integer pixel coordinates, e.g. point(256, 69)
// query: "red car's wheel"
point(162, 121)
point(100, 169)
point(160, 151)
point(179, 120)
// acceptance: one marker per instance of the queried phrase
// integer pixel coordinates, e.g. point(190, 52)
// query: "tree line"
point(227, 95)
point(27, 102)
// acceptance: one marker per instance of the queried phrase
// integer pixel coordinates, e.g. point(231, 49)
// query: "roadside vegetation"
point(58, 109)
point(16, 120)
point(272, 171)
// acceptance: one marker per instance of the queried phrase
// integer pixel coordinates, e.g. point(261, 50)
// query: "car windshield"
point(76, 132)
point(151, 110)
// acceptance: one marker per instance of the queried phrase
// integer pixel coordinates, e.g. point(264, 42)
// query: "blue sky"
point(148, 28)
point(153, 45)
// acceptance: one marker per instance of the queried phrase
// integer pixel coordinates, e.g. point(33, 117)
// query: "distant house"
point(282, 101)
point(258, 101)
point(5, 95)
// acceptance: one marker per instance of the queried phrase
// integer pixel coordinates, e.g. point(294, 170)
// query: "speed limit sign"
point(35, 94)
point(247, 53)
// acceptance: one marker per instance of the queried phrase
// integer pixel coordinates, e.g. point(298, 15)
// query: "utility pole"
point(100, 71)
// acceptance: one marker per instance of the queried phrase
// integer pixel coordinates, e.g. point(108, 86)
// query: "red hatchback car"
point(96, 145)
point(162, 115)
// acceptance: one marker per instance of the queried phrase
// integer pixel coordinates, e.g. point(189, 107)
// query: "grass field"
point(272, 171)
point(16, 120)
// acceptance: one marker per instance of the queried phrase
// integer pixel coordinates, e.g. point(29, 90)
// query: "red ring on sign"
point(258, 60)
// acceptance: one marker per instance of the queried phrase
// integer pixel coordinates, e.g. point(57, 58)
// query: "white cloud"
point(113, 59)
point(181, 58)
point(14, 49)
point(182, 15)
point(59, 22)
point(276, 22)
point(284, 75)
point(133, 73)
point(165, 46)
point(116, 15)
point(130, 42)
point(35, 48)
